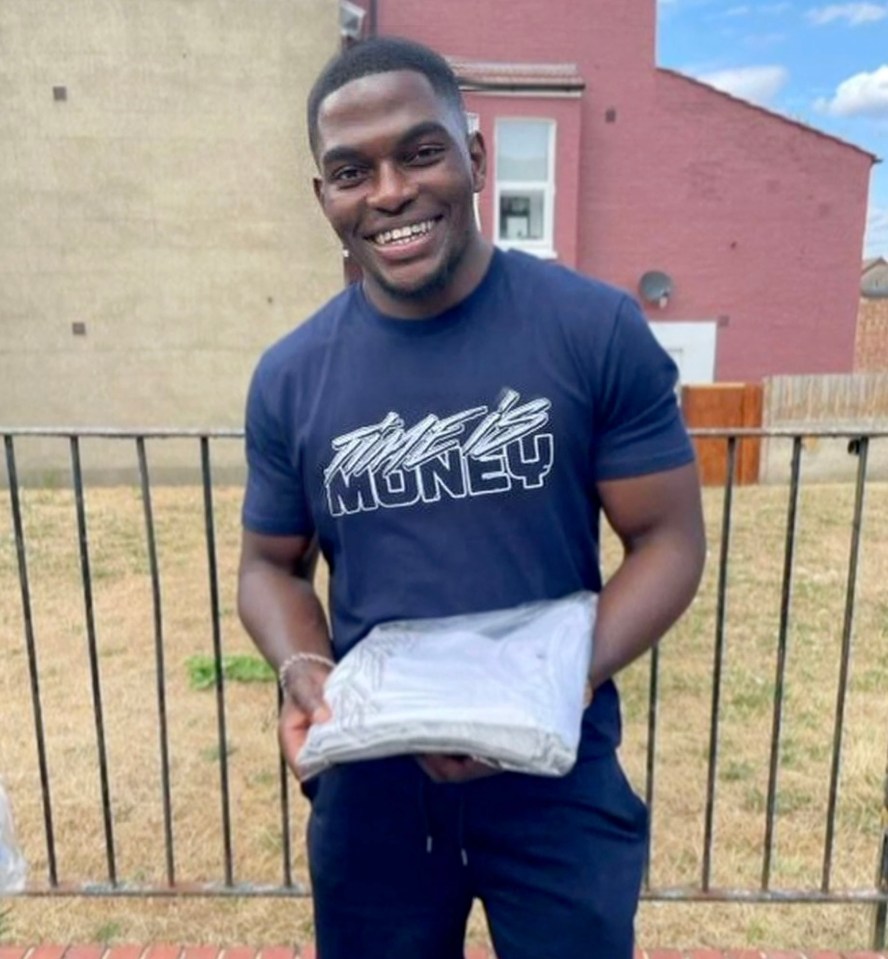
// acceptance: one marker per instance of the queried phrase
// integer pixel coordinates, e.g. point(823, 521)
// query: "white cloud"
point(863, 95)
point(855, 13)
point(757, 84)
point(738, 10)
point(877, 231)
point(759, 41)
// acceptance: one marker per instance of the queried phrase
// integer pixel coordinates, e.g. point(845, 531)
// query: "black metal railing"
point(113, 881)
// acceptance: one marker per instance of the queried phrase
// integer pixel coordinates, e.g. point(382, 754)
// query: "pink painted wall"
point(758, 220)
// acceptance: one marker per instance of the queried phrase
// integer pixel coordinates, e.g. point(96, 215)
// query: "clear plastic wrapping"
point(505, 686)
point(13, 871)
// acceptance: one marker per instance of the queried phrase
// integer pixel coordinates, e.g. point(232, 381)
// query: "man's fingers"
point(293, 728)
point(321, 715)
point(454, 769)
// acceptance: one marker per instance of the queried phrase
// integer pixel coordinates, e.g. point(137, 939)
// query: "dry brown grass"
point(125, 639)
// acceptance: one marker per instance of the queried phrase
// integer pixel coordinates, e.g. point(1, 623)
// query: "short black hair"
point(382, 55)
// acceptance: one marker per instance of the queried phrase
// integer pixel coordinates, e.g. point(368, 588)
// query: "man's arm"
point(659, 520)
point(282, 613)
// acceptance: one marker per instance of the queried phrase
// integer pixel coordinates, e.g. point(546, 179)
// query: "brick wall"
point(871, 345)
point(759, 220)
point(95, 951)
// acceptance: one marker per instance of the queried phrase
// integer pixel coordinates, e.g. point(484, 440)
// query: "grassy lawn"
point(125, 630)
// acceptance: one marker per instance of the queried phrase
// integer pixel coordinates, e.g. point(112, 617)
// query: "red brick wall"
point(871, 345)
point(614, 40)
point(566, 113)
point(759, 221)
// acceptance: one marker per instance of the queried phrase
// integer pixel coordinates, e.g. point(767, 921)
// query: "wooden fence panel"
point(725, 405)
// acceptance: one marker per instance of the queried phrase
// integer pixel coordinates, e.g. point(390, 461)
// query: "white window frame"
point(545, 246)
point(473, 125)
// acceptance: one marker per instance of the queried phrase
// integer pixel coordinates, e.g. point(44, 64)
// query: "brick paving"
point(172, 951)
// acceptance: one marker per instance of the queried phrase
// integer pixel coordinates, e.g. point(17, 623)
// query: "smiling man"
point(448, 431)
point(398, 171)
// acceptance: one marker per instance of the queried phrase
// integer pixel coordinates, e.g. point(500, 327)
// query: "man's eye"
point(425, 154)
point(346, 175)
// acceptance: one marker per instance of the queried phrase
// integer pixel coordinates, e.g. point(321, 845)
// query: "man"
point(448, 430)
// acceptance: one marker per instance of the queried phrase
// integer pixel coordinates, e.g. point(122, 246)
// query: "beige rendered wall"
point(165, 204)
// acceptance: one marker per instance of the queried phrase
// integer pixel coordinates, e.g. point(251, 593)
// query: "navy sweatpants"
point(396, 861)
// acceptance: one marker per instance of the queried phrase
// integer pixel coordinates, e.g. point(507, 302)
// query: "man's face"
point(397, 178)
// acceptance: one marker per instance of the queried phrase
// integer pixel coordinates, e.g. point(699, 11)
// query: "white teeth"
point(403, 234)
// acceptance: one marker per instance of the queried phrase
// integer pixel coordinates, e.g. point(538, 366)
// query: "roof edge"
point(512, 76)
point(805, 127)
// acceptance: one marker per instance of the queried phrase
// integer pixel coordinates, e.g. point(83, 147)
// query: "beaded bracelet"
point(291, 661)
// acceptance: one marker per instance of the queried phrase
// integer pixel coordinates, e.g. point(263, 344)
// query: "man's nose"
point(392, 188)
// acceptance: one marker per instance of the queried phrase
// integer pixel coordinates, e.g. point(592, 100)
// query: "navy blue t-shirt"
point(449, 465)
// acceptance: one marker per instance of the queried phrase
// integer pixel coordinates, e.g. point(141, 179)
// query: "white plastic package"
point(12, 863)
point(506, 687)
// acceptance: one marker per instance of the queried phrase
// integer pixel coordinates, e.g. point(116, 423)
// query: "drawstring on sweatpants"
point(461, 827)
point(426, 815)
point(425, 809)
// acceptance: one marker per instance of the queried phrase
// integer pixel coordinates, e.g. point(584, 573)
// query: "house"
point(871, 346)
point(159, 228)
point(739, 229)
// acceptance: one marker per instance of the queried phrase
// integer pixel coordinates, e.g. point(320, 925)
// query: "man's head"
point(383, 55)
point(397, 174)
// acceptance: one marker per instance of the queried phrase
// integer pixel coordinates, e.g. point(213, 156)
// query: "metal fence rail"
point(111, 881)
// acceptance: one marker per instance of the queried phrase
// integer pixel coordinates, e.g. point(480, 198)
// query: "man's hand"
point(303, 707)
point(454, 769)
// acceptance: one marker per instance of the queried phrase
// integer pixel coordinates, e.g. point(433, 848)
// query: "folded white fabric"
point(505, 686)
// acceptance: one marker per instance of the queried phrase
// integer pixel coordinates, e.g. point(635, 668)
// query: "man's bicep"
point(639, 506)
point(294, 554)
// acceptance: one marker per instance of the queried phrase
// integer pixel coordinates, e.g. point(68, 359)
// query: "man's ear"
point(318, 186)
point(478, 159)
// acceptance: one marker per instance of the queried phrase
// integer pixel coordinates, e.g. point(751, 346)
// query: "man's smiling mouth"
point(402, 234)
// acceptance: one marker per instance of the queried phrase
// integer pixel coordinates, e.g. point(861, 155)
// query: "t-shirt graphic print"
point(475, 452)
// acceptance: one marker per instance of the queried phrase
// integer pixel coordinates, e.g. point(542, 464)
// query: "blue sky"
point(825, 64)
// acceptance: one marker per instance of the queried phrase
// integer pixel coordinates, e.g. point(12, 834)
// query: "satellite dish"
point(655, 287)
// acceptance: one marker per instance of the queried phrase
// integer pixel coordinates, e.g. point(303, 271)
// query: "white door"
point(692, 346)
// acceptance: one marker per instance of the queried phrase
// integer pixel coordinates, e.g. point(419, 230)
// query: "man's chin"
point(418, 288)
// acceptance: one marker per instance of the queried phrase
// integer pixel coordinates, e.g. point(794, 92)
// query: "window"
point(525, 184)
point(473, 125)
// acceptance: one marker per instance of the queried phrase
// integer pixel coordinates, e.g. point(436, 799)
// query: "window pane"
point(521, 215)
point(522, 150)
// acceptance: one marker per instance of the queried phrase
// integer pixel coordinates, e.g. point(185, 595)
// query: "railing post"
point(845, 662)
point(159, 666)
point(880, 924)
point(215, 616)
point(33, 666)
point(93, 655)
point(782, 647)
point(718, 665)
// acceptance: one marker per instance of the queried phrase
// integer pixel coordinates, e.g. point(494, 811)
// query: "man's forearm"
point(652, 587)
point(282, 613)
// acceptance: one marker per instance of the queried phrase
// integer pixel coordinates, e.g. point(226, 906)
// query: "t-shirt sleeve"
point(640, 428)
point(274, 500)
